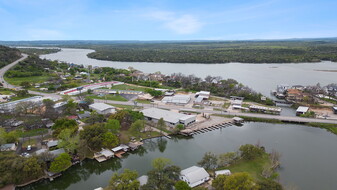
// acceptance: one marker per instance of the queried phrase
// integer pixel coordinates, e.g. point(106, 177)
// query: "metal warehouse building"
point(171, 118)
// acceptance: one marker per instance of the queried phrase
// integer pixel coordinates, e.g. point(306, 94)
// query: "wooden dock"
point(196, 131)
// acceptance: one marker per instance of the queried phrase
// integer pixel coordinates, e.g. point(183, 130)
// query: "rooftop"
point(101, 106)
point(182, 99)
point(194, 174)
point(52, 143)
point(168, 116)
point(143, 180)
point(302, 109)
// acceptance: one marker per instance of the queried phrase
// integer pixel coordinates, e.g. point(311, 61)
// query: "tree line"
point(8, 55)
point(218, 52)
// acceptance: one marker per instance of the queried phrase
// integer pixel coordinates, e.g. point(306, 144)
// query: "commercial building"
point(171, 118)
point(204, 94)
point(10, 106)
point(194, 176)
point(102, 108)
point(177, 99)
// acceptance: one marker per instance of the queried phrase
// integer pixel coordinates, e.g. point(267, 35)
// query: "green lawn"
point(128, 87)
point(109, 97)
point(125, 136)
point(253, 167)
point(34, 79)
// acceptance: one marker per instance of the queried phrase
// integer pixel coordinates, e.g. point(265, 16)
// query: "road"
point(181, 108)
point(7, 85)
point(263, 116)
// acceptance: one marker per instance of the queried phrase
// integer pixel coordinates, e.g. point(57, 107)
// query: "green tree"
point(70, 107)
point(12, 137)
point(93, 136)
point(227, 158)
point(218, 182)
point(269, 185)
point(68, 141)
point(137, 127)
point(113, 125)
point(155, 93)
point(64, 123)
point(250, 152)
point(32, 168)
point(161, 125)
point(25, 84)
point(209, 161)
point(60, 163)
point(182, 185)
point(163, 176)
point(109, 140)
point(125, 181)
point(240, 181)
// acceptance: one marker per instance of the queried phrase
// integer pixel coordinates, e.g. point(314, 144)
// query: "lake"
point(261, 77)
point(307, 161)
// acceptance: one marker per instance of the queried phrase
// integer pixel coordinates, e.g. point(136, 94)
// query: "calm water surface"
point(308, 156)
point(261, 77)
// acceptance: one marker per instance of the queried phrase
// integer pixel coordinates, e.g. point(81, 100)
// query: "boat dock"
point(199, 128)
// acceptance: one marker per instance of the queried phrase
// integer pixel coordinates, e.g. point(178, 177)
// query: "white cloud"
point(180, 24)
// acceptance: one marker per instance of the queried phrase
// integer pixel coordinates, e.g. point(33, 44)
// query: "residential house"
point(8, 147)
point(194, 176)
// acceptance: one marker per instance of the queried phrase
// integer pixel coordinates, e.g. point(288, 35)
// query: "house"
point(194, 176)
point(298, 87)
point(102, 108)
point(222, 172)
point(103, 155)
point(84, 115)
point(57, 152)
point(294, 95)
point(301, 110)
point(8, 147)
point(177, 99)
point(134, 145)
point(120, 150)
point(51, 144)
point(171, 118)
point(143, 180)
point(334, 109)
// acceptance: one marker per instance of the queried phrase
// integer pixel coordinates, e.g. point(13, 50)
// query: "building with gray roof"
point(194, 176)
point(171, 118)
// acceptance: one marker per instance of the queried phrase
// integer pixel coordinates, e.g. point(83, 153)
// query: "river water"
point(261, 77)
point(307, 161)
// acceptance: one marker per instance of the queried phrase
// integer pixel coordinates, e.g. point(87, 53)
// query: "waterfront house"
point(302, 110)
point(294, 95)
point(120, 150)
point(194, 176)
point(222, 172)
point(103, 155)
point(102, 108)
point(134, 145)
point(171, 118)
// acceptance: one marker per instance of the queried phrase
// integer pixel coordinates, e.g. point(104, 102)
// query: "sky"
point(166, 19)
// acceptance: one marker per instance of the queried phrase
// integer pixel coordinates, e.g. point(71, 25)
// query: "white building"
point(171, 118)
point(177, 99)
point(102, 108)
point(222, 172)
point(204, 94)
point(194, 176)
point(302, 110)
point(10, 106)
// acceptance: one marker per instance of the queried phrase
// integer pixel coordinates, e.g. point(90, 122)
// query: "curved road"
point(7, 85)
point(264, 116)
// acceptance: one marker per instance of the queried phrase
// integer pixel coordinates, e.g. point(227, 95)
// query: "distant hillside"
point(198, 51)
point(8, 55)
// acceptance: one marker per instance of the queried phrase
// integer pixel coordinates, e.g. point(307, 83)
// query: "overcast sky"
point(166, 19)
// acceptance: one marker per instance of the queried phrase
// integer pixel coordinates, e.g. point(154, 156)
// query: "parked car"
point(29, 147)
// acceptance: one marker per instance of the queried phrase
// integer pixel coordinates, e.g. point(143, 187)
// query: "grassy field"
point(128, 87)
point(109, 97)
point(253, 167)
point(126, 135)
point(34, 79)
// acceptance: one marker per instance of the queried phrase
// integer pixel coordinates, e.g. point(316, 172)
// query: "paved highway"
point(264, 116)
